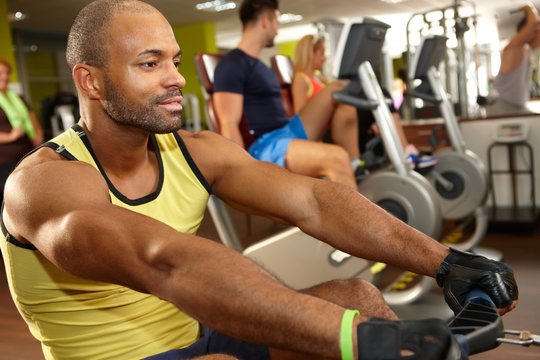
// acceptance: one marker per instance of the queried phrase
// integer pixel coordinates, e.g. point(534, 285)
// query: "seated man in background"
point(100, 223)
point(244, 85)
point(513, 83)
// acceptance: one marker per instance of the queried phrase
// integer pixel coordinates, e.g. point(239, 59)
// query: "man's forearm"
point(357, 226)
point(258, 309)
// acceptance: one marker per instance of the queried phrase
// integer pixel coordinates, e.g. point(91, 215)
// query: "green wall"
point(6, 41)
point(41, 66)
point(287, 48)
point(193, 39)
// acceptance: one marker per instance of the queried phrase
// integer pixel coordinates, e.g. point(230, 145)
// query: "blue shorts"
point(272, 146)
point(212, 342)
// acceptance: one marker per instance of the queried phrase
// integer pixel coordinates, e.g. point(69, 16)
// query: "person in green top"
point(20, 130)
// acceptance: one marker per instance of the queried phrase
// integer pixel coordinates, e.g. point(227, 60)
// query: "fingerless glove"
point(461, 272)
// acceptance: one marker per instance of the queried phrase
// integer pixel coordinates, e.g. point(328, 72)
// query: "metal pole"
point(461, 27)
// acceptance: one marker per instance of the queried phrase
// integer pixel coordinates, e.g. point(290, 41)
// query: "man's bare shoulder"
point(44, 158)
point(47, 171)
point(204, 135)
point(39, 156)
point(45, 186)
point(214, 154)
point(209, 143)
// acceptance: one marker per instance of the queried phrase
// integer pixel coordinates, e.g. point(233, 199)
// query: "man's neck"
point(251, 45)
point(129, 145)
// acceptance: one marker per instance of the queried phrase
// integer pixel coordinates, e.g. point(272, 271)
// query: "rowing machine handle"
point(479, 296)
point(478, 325)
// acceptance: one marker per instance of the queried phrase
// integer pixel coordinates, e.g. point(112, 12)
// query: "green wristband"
point(346, 334)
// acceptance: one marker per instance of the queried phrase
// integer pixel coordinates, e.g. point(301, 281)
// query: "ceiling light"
point(393, 1)
point(17, 16)
point(289, 18)
point(216, 5)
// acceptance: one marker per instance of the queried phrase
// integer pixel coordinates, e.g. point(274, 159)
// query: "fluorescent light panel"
point(216, 5)
point(289, 18)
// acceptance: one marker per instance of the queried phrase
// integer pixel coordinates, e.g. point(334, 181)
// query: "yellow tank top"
point(81, 319)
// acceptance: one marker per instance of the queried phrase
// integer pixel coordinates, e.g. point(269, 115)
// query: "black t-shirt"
point(243, 74)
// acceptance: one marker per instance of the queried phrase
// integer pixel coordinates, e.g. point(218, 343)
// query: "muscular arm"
point(514, 51)
point(83, 233)
point(334, 213)
point(229, 108)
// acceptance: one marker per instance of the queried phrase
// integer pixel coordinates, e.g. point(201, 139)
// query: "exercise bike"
point(398, 189)
point(460, 178)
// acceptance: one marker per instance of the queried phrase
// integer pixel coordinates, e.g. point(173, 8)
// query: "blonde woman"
point(308, 81)
point(309, 59)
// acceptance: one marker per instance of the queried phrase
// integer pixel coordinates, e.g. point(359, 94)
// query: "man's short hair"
point(250, 10)
point(88, 39)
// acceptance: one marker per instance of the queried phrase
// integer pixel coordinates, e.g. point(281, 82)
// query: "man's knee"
point(336, 155)
point(360, 287)
point(366, 288)
point(342, 291)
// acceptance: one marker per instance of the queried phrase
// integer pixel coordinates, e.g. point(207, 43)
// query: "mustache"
point(169, 94)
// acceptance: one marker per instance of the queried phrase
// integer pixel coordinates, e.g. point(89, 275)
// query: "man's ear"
point(265, 19)
point(88, 80)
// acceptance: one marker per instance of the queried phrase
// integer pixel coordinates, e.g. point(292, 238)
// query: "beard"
point(147, 117)
point(270, 42)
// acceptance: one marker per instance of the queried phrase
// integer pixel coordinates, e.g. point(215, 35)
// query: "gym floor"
point(521, 251)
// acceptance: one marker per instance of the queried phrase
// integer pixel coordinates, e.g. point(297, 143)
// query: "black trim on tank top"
point(9, 237)
point(191, 163)
point(112, 188)
point(60, 149)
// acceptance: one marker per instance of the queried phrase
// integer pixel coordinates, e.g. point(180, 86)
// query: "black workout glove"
point(461, 272)
point(429, 339)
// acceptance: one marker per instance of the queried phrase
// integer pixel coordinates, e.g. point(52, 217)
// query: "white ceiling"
point(57, 15)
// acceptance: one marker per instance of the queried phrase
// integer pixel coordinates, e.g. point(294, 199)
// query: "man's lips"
point(172, 104)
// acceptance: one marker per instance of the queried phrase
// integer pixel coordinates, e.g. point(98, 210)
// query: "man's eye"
point(149, 64)
point(177, 64)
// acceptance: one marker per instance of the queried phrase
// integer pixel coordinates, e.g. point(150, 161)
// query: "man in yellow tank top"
point(99, 225)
